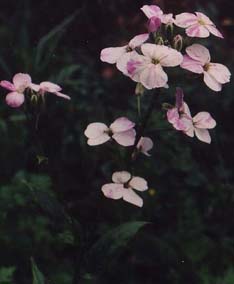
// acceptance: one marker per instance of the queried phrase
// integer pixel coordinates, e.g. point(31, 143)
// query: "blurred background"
point(55, 224)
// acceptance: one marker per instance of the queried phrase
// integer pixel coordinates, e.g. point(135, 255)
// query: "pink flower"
point(147, 69)
point(113, 54)
point(197, 60)
point(198, 25)
point(121, 130)
point(181, 119)
point(122, 187)
point(48, 87)
point(20, 83)
point(154, 24)
point(144, 145)
point(154, 11)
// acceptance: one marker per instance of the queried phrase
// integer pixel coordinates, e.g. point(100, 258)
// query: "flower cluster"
point(145, 60)
point(23, 82)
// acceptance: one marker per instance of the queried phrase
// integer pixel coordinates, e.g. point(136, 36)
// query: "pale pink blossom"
point(147, 69)
point(48, 87)
point(198, 59)
point(122, 187)
point(144, 145)
point(154, 11)
point(113, 54)
point(154, 24)
point(197, 25)
point(181, 119)
point(121, 130)
point(20, 83)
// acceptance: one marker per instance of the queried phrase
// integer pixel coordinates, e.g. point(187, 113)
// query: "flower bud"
point(34, 99)
point(154, 24)
point(178, 42)
point(169, 29)
point(159, 41)
point(140, 89)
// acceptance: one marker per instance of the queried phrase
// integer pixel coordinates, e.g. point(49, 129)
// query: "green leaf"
point(6, 274)
point(38, 277)
point(49, 42)
point(113, 243)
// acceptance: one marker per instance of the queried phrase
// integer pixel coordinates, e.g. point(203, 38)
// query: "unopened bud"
point(34, 99)
point(140, 89)
point(154, 24)
point(159, 41)
point(178, 42)
point(169, 29)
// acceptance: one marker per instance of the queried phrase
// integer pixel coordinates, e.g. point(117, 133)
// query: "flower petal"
point(199, 53)
point(99, 140)
point(50, 87)
point(15, 99)
point(145, 144)
point(8, 85)
point(138, 40)
point(58, 94)
point(204, 120)
point(22, 81)
point(184, 20)
point(34, 87)
point(96, 129)
point(197, 30)
point(179, 99)
point(202, 17)
point(130, 196)
point(214, 31)
point(153, 77)
point(121, 124)
point(219, 72)
point(112, 54)
point(191, 65)
point(211, 82)
point(138, 183)
point(203, 135)
point(121, 177)
point(113, 190)
point(126, 138)
point(151, 11)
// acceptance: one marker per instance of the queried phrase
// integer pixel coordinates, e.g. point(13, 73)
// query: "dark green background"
point(55, 212)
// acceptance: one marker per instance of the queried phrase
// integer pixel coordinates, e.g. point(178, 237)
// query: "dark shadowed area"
point(55, 224)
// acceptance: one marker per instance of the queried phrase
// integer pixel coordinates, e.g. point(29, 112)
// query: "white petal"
point(145, 144)
point(185, 20)
point(98, 140)
point(212, 83)
point(153, 77)
point(197, 30)
point(138, 40)
point(204, 120)
point(152, 11)
point(203, 135)
point(219, 72)
point(121, 177)
point(112, 54)
point(121, 124)
point(130, 196)
point(199, 53)
point(113, 190)
point(138, 183)
point(126, 138)
point(22, 81)
point(50, 87)
point(95, 130)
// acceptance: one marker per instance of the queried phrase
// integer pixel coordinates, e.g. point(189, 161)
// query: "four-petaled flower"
point(147, 69)
point(121, 130)
point(154, 11)
point(181, 119)
point(122, 187)
point(48, 87)
point(20, 83)
point(197, 60)
point(198, 25)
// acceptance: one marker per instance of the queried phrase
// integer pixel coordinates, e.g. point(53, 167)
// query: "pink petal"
point(172, 115)
point(121, 124)
point(153, 77)
point(167, 19)
point(130, 196)
point(191, 65)
point(7, 85)
point(154, 24)
point(99, 140)
point(203, 135)
point(126, 138)
point(185, 20)
point(204, 18)
point(179, 99)
point(189, 128)
point(211, 82)
point(113, 191)
point(199, 53)
point(138, 40)
point(22, 81)
point(219, 72)
point(214, 31)
point(145, 144)
point(121, 177)
point(138, 183)
point(151, 11)
point(58, 94)
point(186, 111)
point(112, 54)
point(15, 99)
point(50, 87)
point(197, 30)
point(204, 120)
point(96, 129)
point(35, 87)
